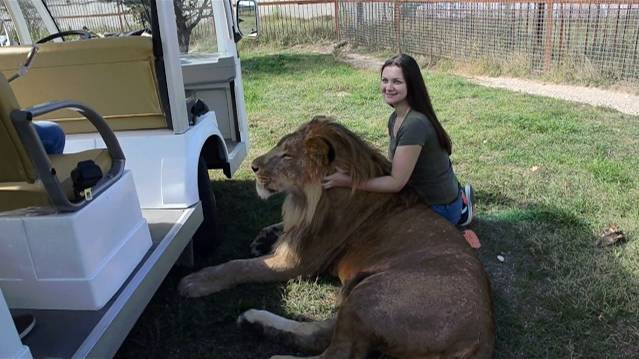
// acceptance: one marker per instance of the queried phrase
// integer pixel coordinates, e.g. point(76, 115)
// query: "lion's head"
point(302, 158)
point(297, 165)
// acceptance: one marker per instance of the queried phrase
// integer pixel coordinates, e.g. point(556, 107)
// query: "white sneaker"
point(468, 206)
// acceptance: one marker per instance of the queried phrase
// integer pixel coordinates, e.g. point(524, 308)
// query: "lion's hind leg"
point(334, 351)
point(421, 314)
point(337, 341)
point(308, 336)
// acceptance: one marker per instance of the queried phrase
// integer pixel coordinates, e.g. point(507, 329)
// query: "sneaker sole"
point(468, 191)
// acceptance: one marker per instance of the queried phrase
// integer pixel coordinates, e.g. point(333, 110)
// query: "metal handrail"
point(22, 120)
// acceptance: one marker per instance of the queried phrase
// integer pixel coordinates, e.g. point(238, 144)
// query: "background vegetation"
point(550, 177)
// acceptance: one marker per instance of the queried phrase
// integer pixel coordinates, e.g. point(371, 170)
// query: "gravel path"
point(620, 101)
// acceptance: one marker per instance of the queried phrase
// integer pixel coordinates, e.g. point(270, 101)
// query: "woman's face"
point(393, 85)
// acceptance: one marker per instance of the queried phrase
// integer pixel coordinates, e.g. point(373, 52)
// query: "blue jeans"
point(51, 135)
point(451, 211)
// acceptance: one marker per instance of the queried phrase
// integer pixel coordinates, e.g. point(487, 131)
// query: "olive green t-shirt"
point(433, 178)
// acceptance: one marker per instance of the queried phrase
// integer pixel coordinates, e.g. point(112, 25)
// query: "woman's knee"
point(51, 135)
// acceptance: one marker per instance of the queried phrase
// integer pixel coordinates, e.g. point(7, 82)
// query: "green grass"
point(549, 175)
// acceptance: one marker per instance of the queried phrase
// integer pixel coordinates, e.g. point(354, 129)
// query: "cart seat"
point(114, 76)
point(16, 195)
point(23, 183)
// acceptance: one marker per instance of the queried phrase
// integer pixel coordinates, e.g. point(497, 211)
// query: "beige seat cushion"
point(15, 164)
point(113, 76)
point(16, 195)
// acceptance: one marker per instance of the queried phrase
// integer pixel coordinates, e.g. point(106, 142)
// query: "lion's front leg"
point(213, 279)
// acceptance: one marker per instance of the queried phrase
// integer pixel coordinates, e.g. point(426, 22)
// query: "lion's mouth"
point(263, 191)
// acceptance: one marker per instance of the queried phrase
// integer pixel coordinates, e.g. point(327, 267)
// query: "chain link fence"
point(106, 16)
point(582, 38)
point(594, 38)
point(303, 21)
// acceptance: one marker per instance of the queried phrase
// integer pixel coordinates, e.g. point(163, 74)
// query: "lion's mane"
point(313, 236)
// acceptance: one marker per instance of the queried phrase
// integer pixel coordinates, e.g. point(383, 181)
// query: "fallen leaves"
point(611, 236)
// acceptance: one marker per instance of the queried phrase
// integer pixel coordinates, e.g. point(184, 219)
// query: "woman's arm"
point(403, 165)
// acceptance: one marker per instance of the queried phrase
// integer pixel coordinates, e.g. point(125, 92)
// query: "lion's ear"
point(320, 150)
point(322, 119)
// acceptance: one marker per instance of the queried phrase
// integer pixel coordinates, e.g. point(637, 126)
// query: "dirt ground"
point(620, 101)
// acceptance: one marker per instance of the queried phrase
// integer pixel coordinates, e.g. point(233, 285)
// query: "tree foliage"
point(188, 13)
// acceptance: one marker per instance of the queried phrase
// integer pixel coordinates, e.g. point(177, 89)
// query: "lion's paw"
point(191, 286)
point(264, 241)
point(249, 320)
point(198, 284)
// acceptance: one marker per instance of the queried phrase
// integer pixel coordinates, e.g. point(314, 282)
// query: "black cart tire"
point(207, 236)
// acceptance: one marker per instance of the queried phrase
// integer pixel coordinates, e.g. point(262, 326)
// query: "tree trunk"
point(184, 39)
point(184, 31)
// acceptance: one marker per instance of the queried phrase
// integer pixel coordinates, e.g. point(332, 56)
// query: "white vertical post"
point(172, 67)
point(10, 345)
point(225, 42)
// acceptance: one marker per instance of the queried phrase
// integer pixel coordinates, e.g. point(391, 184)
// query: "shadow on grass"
point(534, 317)
point(177, 327)
point(552, 291)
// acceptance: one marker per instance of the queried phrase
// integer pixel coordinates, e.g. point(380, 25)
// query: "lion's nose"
point(256, 164)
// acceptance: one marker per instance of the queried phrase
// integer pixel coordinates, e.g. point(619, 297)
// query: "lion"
point(411, 285)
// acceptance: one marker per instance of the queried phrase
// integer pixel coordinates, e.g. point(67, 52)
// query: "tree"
point(188, 14)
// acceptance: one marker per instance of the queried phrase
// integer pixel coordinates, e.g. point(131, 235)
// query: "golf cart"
point(87, 236)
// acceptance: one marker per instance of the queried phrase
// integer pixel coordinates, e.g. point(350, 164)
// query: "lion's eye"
point(286, 156)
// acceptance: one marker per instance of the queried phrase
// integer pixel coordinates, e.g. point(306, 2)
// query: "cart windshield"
point(24, 22)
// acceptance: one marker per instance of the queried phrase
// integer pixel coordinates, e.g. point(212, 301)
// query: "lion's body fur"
point(412, 287)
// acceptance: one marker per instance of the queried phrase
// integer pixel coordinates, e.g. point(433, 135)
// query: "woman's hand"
point(338, 179)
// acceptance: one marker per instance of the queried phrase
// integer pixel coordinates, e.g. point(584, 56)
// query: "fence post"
point(119, 5)
point(549, 38)
point(337, 20)
point(397, 22)
point(359, 30)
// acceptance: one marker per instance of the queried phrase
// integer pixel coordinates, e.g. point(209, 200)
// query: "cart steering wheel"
point(82, 33)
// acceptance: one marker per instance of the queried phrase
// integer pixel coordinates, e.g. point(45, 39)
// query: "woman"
point(419, 147)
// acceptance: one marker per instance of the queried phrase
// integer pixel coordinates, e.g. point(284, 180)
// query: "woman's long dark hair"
point(417, 95)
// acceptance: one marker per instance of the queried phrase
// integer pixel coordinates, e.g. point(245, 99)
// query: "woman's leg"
point(451, 211)
point(51, 135)
point(461, 211)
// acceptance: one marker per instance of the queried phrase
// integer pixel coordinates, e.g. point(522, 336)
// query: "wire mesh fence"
point(96, 15)
point(583, 36)
point(297, 21)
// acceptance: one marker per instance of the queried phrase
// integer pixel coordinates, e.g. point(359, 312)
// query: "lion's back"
point(408, 237)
